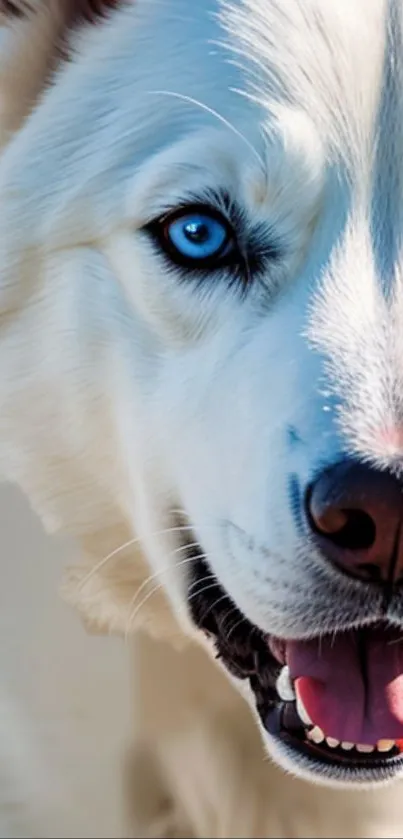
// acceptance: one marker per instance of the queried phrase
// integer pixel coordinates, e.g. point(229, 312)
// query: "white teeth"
point(287, 693)
point(302, 712)
point(385, 745)
point(284, 685)
point(316, 735)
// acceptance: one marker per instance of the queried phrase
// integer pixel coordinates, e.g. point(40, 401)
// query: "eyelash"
point(242, 265)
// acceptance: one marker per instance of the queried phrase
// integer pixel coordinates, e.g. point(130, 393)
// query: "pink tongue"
point(352, 683)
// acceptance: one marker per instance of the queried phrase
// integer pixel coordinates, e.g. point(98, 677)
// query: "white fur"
point(127, 392)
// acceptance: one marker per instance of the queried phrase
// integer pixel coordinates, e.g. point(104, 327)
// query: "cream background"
point(64, 695)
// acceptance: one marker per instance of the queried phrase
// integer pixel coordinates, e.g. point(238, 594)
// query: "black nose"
point(355, 513)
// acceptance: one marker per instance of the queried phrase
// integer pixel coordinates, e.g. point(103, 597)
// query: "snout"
point(355, 516)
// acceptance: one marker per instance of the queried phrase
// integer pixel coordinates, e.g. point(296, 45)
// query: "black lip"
point(244, 650)
point(240, 644)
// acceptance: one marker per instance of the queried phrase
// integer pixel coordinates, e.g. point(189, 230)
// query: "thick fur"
point(128, 392)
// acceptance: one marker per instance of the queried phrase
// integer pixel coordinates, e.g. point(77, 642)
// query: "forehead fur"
point(338, 62)
point(330, 58)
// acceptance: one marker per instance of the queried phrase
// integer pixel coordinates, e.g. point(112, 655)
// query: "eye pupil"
point(197, 231)
point(198, 237)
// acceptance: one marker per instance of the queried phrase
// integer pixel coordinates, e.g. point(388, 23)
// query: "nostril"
point(355, 515)
point(357, 533)
point(350, 529)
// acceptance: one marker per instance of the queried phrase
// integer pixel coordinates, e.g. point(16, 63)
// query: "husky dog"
point(201, 379)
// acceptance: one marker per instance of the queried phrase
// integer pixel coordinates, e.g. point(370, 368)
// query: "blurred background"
point(64, 695)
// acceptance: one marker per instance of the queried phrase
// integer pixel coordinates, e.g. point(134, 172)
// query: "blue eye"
point(198, 237)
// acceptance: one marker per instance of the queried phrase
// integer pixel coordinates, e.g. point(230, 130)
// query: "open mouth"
point(333, 704)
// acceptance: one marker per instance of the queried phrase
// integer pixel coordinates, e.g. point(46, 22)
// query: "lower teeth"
point(294, 710)
point(385, 745)
point(316, 735)
point(295, 713)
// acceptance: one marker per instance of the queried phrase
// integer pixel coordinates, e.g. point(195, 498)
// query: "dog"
point(202, 380)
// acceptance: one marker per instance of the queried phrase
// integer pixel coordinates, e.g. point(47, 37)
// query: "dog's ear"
point(34, 39)
point(14, 8)
point(71, 9)
point(90, 10)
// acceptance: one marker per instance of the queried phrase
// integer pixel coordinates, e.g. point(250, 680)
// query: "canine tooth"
point(302, 712)
point(347, 746)
point(332, 742)
point(284, 685)
point(316, 735)
point(385, 745)
point(361, 747)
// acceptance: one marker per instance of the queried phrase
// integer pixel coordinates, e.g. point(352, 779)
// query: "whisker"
point(202, 580)
point(191, 101)
point(133, 612)
point(168, 567)
point(235, 626)
point(203, 591)
point(133, 616)
point(105, 560)
point(212, 605)
point(130, 543)
point(178, 511)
